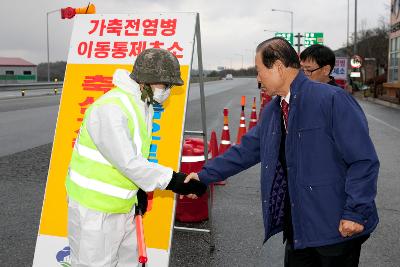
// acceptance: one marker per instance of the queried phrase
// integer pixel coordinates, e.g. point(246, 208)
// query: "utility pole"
point(47, 37)
point(291, 17)
point(298, 36)
point(355, 29)
point(348, 26)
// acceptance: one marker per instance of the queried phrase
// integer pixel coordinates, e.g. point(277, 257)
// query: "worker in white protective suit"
point(109, 166)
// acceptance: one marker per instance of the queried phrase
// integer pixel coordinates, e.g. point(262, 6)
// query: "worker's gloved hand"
point(142, 202)
point(178, 186)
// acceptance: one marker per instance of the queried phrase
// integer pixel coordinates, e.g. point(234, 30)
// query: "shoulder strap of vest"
point(139, 115)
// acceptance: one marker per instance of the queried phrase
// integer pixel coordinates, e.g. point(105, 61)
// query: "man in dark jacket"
point(317, 62)
point(319, 167)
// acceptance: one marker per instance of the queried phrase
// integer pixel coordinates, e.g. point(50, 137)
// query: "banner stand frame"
point(202, 133)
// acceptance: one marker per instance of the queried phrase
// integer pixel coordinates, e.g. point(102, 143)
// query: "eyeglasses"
point(309, 72)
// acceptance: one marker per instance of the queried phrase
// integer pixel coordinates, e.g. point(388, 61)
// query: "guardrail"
point(30, 86)
point(59, 85)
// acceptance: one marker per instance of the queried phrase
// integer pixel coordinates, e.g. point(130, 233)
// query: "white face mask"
point(160, 95)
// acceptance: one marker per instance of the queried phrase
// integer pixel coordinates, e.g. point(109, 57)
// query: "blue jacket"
point(332, 166)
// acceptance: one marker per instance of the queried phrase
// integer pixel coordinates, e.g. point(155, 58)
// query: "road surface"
point(27, 127)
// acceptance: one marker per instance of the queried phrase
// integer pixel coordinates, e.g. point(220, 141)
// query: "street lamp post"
point(355, 28)
point(291, 17)
point(266, 30)
point(348, 28)
point(47, 35)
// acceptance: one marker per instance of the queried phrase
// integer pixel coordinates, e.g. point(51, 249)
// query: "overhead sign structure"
point(339, 72)
point(311, 38)
point(286, 35)
point(99, 45)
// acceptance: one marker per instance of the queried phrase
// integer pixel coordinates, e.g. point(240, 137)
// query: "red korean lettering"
point(175, 46)
point(97, 83)
point(85, 104)
point(85, 48)
point(96, 23)
point(137, 47)
point(114, 26)
point(168, 27)
point(102, 49)
point(150, 27)
point(74, 139)
point(156, 44)
point(120, 49)
point(132, 27)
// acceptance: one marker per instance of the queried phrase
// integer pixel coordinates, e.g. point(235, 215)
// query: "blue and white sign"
point(340, 69)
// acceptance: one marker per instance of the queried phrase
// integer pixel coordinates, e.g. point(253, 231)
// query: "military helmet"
point(155, 65)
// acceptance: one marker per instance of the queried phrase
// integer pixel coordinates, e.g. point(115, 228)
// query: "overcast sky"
point(229, 28)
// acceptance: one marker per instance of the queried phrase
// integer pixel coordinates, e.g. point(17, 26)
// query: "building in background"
point(392, 87)
point(17, 70)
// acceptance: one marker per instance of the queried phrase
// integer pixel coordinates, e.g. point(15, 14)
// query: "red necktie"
point(285, 112)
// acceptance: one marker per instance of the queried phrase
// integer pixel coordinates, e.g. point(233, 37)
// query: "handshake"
point(181, 185)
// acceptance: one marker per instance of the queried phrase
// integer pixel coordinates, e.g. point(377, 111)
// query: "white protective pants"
point(100, 239)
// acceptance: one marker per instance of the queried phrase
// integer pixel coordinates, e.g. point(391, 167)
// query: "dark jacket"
point(331, 162)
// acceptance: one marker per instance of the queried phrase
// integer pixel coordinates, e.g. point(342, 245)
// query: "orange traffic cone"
point(225, 136)
point(213, 145)
point(214, 153)
point(253, 116)
point(242, 125)
point(225, 140)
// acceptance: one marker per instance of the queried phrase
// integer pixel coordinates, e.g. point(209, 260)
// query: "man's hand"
point(349, 228)
point(179, 185)
point(191, 176)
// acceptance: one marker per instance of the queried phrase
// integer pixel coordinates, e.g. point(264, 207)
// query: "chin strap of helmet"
point(147, 94)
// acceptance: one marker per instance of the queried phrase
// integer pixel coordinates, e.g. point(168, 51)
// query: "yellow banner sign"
point(85, 81)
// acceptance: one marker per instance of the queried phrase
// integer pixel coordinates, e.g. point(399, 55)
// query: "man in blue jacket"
point(319, 167)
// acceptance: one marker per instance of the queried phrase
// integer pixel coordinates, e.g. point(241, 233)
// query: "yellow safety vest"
point(92, 181)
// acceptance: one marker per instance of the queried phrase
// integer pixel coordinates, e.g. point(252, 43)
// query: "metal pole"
point(355, 29)
point(203, 119)
point(48, 49)
point(298, 43)
point(201, 82)
point(348, 26)
point(48, 56)
point(291, 18)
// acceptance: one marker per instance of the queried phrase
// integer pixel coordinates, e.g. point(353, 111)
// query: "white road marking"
point(383, 122)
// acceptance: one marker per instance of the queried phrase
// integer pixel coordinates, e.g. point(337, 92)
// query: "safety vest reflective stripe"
point(194, 158)
point(101, 187)
point(91, 154)
point(127, 104)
